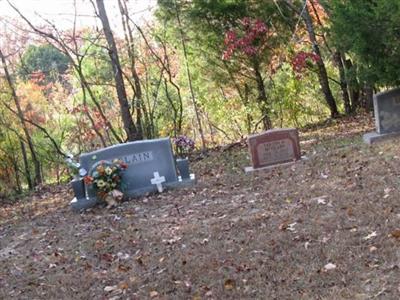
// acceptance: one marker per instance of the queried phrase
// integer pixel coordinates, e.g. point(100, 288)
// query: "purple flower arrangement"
point(184, 145)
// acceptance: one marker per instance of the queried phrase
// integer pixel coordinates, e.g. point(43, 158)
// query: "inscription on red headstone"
point(274, 147)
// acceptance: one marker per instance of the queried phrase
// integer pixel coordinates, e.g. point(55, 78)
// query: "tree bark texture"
point(129, 126)
point(262, 97)
point(343, 82)
point(322, 74)
point(26, 165)
point(189, 77)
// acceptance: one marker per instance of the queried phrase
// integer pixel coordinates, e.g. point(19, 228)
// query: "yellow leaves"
point(395, 234)
point(197, 296)
point(229, 284)
point(122, 268)
point(123, 285)
point(33, 102)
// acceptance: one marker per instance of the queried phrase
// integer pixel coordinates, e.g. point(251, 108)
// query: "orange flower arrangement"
point(106, 177)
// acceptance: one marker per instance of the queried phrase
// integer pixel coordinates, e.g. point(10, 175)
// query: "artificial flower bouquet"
point(184, 145)
point(106, 179)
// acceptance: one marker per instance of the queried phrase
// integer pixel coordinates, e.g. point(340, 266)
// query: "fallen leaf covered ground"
point(324, 228)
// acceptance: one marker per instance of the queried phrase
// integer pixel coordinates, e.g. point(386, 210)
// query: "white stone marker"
point(157, 180)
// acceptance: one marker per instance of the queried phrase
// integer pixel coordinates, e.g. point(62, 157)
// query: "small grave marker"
point(157, 180)
point(273, 147)
point(387, 116)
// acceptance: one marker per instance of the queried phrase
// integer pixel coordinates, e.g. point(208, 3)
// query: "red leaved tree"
point(248, 45)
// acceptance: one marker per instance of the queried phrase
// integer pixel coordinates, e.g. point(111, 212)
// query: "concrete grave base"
point(85, 203)
point(375, 137)
point(266, 168)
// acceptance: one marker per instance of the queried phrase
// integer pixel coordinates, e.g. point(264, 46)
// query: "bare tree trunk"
point(189, 77)
point(262, 97)
point(174, 110)
point(138, 95)
point(129, 126)
point(368, 94)
point(212, 133)
point(343, 82)
point(14, 161)
point(353, 86)
point(322, 74)
point(36, 163)
point(249, 116)
point(16, 175)
point(58, 172)
point(338, 58)
point(26, 165)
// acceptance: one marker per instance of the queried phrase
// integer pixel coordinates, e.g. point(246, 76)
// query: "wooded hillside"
point(214, 71)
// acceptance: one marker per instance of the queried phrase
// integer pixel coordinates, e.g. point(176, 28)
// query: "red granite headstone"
point(273, 147)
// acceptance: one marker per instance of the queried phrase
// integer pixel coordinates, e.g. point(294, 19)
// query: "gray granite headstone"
point(143, 158)
point(387, 116)
point(387, 111)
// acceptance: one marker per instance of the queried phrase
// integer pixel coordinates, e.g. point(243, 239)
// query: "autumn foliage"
point(302, 60)
point(248, 38)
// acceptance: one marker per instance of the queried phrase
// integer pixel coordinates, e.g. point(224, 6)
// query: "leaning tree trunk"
point(189, 78)
point(322, 74)
point(138, 95)
point(129, 126)
point(20, 114)
point(343, 82)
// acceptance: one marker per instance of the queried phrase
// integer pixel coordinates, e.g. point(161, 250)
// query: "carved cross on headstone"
point(157, 180)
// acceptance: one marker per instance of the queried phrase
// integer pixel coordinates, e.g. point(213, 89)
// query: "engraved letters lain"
point(137, 158)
